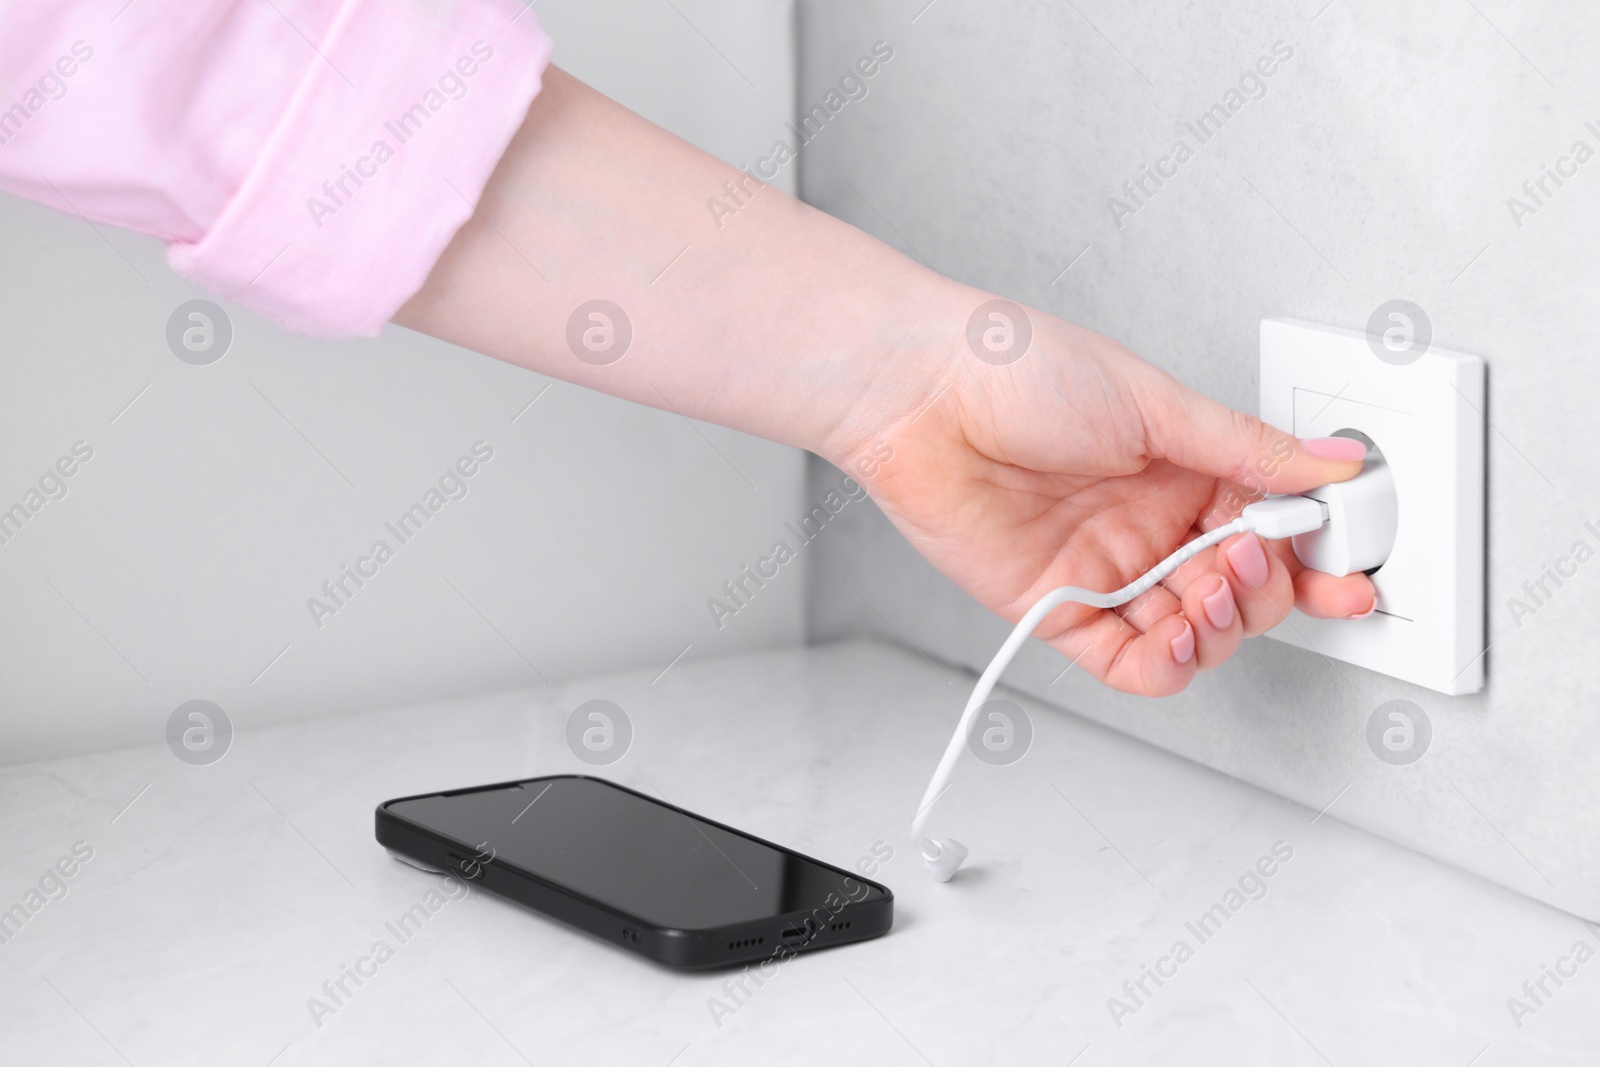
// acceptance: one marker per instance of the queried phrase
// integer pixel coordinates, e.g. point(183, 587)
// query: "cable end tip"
point(947, 860)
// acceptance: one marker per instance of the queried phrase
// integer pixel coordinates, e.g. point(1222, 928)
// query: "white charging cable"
point(1274, 518)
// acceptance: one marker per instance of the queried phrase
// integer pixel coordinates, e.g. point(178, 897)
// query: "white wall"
point(179, 563)
point(1377, 165)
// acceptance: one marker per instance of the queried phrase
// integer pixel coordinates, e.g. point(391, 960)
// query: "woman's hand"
point(1080, 464)
point(1077, 463)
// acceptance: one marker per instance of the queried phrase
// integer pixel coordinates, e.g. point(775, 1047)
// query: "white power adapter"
point(1363, 517)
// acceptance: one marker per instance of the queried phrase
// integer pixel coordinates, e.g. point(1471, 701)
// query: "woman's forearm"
point(775, 319)
point(1070, 462)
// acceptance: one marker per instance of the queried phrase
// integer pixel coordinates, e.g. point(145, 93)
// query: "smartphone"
point(676, 887)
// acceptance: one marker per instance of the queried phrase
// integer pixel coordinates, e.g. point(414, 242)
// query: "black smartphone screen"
point(650, 860)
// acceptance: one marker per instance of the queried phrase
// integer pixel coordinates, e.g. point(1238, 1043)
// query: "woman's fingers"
point(1156, 663)
point(1213, 611)
point(1207, 600)
point(1202, 435)
point(1323, 596)
point(1199, 616)
point(1162, 640)
point(1260, 580)
point(1149, 608)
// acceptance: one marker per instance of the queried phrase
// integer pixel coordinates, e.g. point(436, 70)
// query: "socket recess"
point(1426, 416)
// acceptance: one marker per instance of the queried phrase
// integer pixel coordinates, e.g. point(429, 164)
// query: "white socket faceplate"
point(1426, 416)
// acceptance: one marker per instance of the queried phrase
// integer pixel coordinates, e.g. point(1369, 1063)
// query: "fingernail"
point(1369, 611)
point(1219, 605)
point(1249, 562)
point(1341, 449)
point(1183, 644)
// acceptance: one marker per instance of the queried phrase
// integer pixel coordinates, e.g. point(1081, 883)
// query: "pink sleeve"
point(309, 159)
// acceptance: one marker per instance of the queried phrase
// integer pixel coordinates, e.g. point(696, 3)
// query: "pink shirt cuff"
point(309, 159)
point(378, 161)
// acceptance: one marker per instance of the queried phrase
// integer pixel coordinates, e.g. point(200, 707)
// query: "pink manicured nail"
point(1183, 644)
point(1342, 449)
point(1219, 605)
point(1369, 611)
point(1248, 560)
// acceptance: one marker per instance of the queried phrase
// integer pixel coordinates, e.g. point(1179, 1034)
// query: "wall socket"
point(1423, 408)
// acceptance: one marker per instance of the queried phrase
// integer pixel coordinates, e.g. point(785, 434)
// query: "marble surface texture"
point(215, 901)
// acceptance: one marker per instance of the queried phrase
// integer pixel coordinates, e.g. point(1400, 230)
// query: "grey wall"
point(1376, 166)
point(219, 498)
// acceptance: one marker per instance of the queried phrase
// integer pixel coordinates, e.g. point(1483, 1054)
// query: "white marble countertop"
point(218, 900)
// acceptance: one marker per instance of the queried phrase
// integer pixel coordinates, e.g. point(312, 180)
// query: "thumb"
point(1198, 433)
